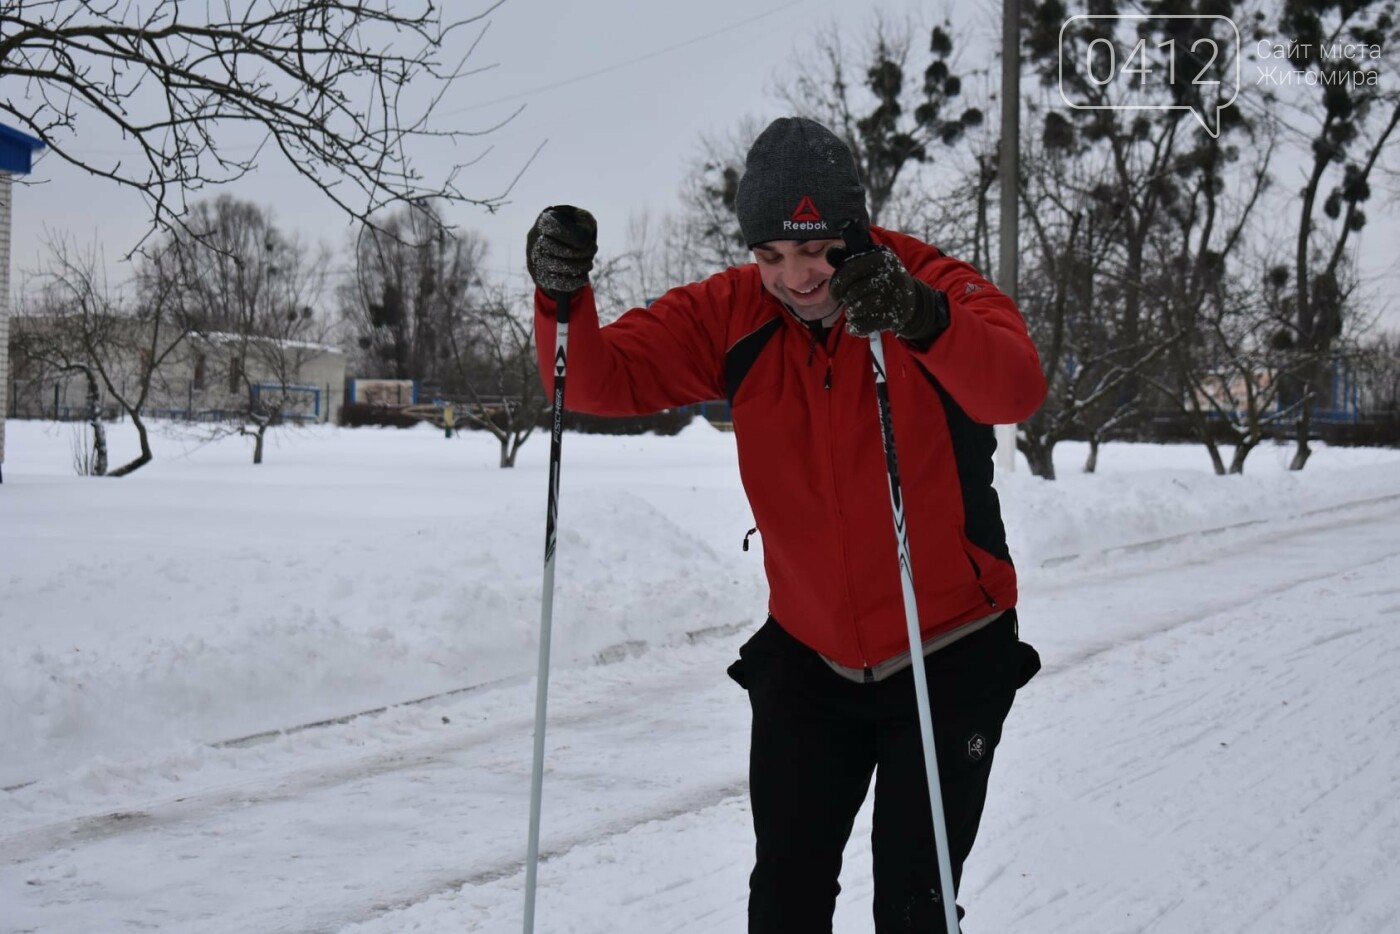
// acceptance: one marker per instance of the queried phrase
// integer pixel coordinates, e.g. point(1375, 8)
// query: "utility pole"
point(1008, 256)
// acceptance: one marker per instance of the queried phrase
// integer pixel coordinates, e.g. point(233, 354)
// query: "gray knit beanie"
point(800, 183)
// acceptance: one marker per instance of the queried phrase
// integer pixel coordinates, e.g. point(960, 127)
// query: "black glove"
point(559, 249)
point(880, 295)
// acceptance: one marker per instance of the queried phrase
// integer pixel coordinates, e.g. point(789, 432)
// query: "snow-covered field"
point(1214, 744)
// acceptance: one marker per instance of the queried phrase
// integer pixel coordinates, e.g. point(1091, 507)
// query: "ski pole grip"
point(857, 237)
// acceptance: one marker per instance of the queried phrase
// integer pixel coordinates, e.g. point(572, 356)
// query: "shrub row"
point(668, 422)
point(363, 415)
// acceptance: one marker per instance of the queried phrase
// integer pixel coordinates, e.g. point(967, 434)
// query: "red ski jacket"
point(811, 454)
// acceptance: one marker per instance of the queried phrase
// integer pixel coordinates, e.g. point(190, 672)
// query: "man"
point(828, 674)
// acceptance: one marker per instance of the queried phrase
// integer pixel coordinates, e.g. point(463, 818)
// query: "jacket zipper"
point(831, 465)
point(830, 353)
point(841, 518)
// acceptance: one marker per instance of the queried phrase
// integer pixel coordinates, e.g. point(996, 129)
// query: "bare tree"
point(1379, 378)
point(1226, 374)
point(1102, 187)
point(1075, 301)
point(82, 325)
point(236, 269)
point(893, 111)
point(273, 370)
point(248, 292)
point(1222, 369)
point(705, 237)
point(44, 347)
point(345, 91)
point(1353, 118)
point(420, 307)
point(410, 294)
point(500, 389)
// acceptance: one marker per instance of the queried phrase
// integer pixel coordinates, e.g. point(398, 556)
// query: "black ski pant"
point(818, 738)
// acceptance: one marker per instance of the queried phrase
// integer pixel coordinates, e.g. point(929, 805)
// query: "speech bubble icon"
point(1139, 61)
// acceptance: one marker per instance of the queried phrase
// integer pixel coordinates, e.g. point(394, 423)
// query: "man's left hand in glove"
point(880, 295)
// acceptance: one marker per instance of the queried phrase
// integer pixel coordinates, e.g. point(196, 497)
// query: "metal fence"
point(66, 399)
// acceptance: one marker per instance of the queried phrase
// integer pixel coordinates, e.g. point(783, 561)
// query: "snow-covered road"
point(1211, 747)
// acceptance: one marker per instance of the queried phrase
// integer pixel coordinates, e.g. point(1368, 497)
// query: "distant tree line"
point(348, 94)
point(1178, 283)
point(245, 305)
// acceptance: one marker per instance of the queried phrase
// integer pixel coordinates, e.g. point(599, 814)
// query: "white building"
point(207, 377)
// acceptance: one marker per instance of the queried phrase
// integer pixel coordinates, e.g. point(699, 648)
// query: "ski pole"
point(551, 531)
point(858, 241)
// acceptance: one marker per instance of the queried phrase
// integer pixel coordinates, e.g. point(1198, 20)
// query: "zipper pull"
point(826, 384)
point(746, 538)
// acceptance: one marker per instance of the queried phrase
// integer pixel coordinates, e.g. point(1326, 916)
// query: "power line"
point(607, 69)
point(617, 66)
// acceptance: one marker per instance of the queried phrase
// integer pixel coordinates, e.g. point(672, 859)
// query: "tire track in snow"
point(154, 816)
point(623, 651)
point(148, 815)
point(1155, 544)
point(27, 844)
point(710, 795)
point(609, 655)
point(1070, 663)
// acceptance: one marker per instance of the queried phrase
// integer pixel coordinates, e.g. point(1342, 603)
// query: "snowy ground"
point(1211, 747)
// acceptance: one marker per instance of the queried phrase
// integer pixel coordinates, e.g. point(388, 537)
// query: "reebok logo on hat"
point(805, 216)
point(806, 210)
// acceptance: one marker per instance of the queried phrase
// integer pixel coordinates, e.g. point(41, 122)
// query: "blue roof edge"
point(17, 150)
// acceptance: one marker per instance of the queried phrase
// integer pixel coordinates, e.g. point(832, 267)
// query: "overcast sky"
point(617, 142)
point(622, 91)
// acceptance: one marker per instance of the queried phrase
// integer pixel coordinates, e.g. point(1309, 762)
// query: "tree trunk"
point(1216, 460)
point(145, 457)
point(1241, 452)
point(1131, 387)
point(1091, 463)
point(507, 452)
point(981, 236)
point(258, 443)
point(99, 431)
point(1303, 451)
point(1039, 455)
point(1308, 335)
point(99, 447)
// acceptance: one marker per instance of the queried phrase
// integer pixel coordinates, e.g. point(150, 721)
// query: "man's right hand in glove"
point(560, 248)
point(881, 295)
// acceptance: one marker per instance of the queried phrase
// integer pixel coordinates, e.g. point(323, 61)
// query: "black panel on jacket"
point(973, 447)
point(739, 359)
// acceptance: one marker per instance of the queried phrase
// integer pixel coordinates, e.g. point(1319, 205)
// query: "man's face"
point(797, 274)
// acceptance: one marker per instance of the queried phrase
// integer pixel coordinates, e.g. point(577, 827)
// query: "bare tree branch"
point(345, 91)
